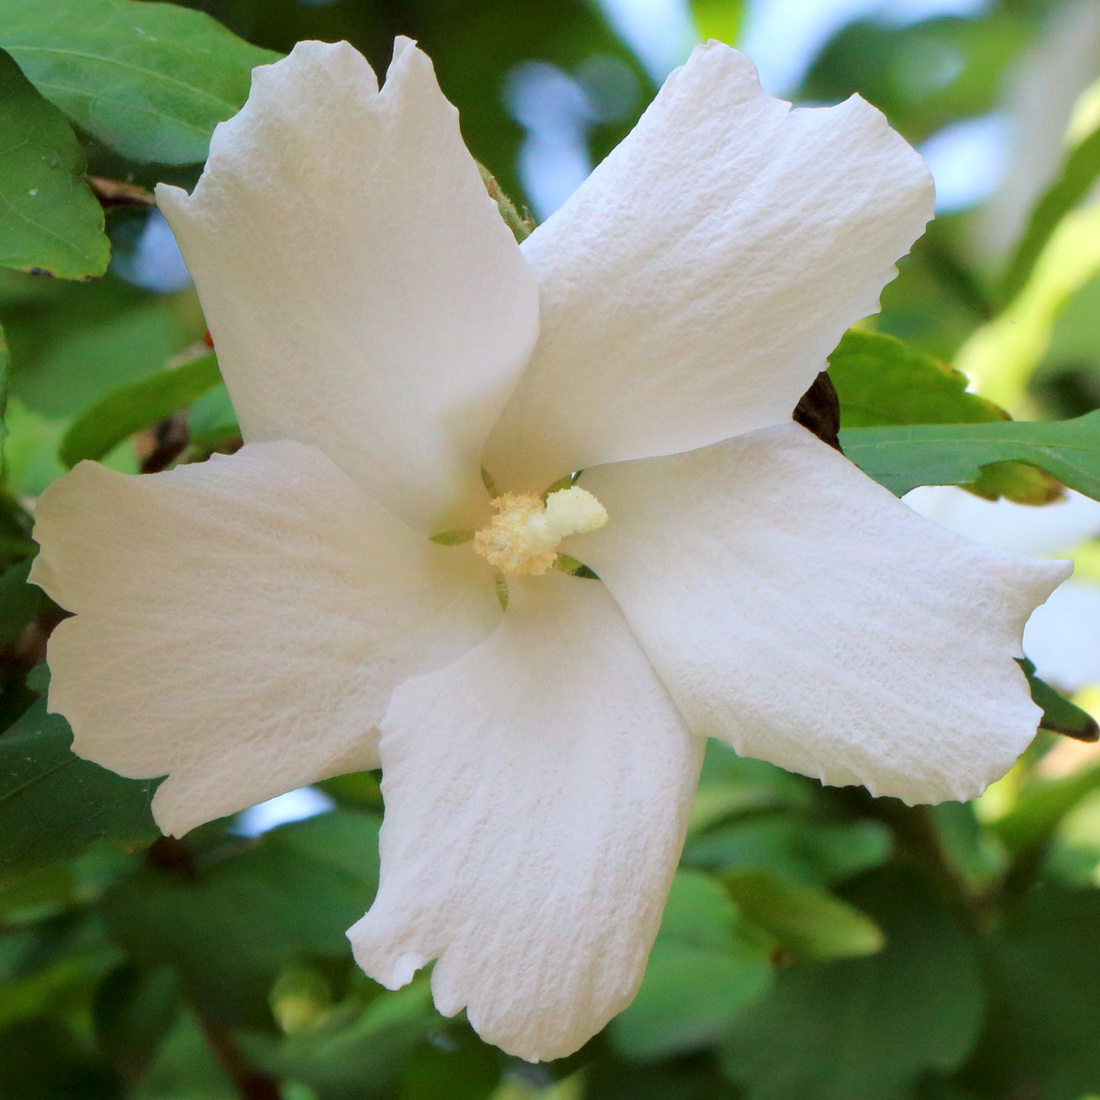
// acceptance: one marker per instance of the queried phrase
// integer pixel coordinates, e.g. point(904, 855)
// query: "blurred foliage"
point(818, 944)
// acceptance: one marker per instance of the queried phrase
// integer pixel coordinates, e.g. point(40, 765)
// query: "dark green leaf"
point(1041, 1041)
point(684, 1079)
point(230, 929)
point(149, 80)
point(1059, 714)
point(904, 457)
point(133, 1011)
point(806, 921)
point(1079, 172)
point(20, 602)
point(44, 1060)
point(707, 965)
point(881, 382)
point(185, 1068)
point(52, 224)
point(866, 1027)
point(356, 1056)
point(463, 1069)
point(54, 804)
point(130, 408)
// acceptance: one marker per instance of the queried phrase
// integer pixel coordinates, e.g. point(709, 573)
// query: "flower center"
point(524, 534)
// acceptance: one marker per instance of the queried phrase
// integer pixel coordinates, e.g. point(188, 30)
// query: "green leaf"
point(149, 80)
point(212, 420)
point(1079, 172)
point(1059, 714)
point(69, 366)
point(185, 1068)
point(229, 930)
point(52, 223)
point(54, 804)
point(866, 1027)
point(792, 845)
point(130, 408)
point(706, 966)
point(904, 457)
point(4, 370)
point(732, 785)
point(881, 382)
point(808, 922)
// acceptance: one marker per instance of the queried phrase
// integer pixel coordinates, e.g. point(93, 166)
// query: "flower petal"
point(241, 623)
point(800, 612)
point(536, 794)
point(693, 286)
point(362, 290)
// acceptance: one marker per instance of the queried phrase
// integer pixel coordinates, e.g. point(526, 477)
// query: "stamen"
point(522, 538)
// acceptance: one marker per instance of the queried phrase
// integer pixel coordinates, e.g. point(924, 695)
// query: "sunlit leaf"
point(880, 382)
point(904, 457)
point(51, 224)
point(719, 19)
point(1079, 172)
point(149, 80)
point(1001, 355)
point(1041, 806)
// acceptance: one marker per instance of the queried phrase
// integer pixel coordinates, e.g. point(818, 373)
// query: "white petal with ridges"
point(536, 800)
point(240, 623)
point(363, 293)
point(797, 610)
point(693, 286)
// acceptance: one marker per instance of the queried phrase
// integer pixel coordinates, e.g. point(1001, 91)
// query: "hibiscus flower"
point(261, 621)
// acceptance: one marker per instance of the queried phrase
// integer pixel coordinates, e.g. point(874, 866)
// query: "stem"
point(249, 1083)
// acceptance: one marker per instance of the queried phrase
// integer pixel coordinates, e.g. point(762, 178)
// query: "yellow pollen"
point(524, 534)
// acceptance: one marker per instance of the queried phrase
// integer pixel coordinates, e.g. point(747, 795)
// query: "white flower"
point(243, 625)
